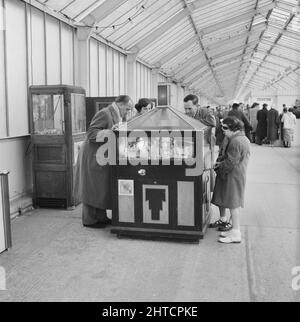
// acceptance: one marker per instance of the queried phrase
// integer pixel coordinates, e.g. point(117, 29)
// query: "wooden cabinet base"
point(186, 236)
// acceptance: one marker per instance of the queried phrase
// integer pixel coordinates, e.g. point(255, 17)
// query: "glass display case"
point(158, 148)
point(48, 114)
point(58, 126)
point(161, 183)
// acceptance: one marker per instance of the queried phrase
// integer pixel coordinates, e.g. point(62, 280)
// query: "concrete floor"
point(55, 259)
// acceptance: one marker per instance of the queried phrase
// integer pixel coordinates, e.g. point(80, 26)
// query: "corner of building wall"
point(20, 204)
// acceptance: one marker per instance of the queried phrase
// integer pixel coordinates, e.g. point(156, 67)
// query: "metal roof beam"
point(274, 64)
point(198, 4)
point(156, 33)
point(195, 58)
point(218, 44)
point(285, 6)
point(193, 61)
point(241, 83)
point(210, 86)
point(198, 76)
point(99, 11)
point(190, 72)
point(246, 43)
point(289, 20)
point(268, 68)
point(280, 57)
point(264, 73)
point(227, 23)
point(171, 22)
point(178, 50)
point(280, 46)
point(202, 47)
point(286, 33)
point(207, 79)
point(280, 78)
point(228, 61)
point(232, 50)
point(215, 45)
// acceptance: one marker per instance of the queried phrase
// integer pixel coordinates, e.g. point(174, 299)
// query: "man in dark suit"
point(273, 125)
point(238, 113)
point(262, 125)
point(204, 115)
point(92, 184)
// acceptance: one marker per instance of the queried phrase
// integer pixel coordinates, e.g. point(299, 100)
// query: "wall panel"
point(37, 47)
point(138, 81)
point(2, 76)
point(94, 70)
point(116, 69)
point(102, 69)
point(109, 76)
point(149, 83)
point(122, 75)
point(15, 159)
point(67, 54)
point(53, 51)
point(76, 59)
point(16, 68)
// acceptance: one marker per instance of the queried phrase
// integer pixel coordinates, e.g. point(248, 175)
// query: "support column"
point(180, 97)
point(83, 59)
point(297, 100)
point(275, 102)
point(154, 82)
point(131, 75)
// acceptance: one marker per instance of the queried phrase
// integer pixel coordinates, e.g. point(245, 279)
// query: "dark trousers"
point(91, 215)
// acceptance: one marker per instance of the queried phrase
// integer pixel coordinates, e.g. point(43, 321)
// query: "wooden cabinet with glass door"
point(58, 126)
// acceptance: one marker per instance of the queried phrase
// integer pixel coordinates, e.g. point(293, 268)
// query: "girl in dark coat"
point(230, 183)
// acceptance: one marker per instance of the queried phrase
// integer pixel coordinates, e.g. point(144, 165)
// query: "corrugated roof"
point(218, 47)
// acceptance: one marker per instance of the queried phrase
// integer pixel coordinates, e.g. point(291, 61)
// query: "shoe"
point(221, 225)
point(230, 238)
point(107, 221)
point(96, 225)
point(226, 227)
point(225, 233)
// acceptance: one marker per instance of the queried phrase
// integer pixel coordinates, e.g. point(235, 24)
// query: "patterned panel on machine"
point(155, 204)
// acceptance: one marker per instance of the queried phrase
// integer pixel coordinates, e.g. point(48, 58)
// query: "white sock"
point(236, 232)
point(224, 219)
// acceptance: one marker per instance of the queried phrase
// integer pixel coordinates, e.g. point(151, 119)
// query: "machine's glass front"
point(156, 148)
point(78, 113)
point(48, 114)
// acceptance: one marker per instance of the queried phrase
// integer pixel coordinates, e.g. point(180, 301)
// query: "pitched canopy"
point(220, 49)
point(163, 118)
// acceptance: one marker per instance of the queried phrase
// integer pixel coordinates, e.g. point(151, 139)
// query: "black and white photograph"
point(149, 154)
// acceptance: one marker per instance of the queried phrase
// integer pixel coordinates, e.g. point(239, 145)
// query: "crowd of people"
point(232, 129)
point(263, 125)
